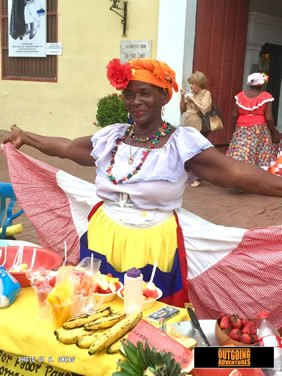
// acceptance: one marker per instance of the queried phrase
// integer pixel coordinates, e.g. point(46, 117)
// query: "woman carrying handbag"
point(198, 100)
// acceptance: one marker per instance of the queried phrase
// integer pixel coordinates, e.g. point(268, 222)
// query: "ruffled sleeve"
point(189, 143)
point(104, 140)
point(250, 104)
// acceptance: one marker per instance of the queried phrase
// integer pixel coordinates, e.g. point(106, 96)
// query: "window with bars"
point(30, 68)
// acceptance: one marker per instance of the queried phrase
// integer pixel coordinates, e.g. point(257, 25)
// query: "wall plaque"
point(134, 49)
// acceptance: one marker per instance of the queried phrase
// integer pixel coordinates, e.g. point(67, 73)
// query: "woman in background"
point(199, 99)
point(255, 139)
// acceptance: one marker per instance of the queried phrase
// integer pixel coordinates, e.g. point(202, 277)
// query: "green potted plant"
point(111, 110)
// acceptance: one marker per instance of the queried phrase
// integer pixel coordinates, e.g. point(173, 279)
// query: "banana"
point(115, 332)
point(81, 320)
point(116, 346)
point(105, 322)
point(59, 331)
point(71, 335)
point(85, 342)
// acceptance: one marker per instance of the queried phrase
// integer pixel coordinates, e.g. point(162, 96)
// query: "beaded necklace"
point(162, 131)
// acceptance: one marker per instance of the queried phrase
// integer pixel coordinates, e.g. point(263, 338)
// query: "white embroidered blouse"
point(160, 183)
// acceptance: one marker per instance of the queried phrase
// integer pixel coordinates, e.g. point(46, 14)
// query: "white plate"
point(208, 326)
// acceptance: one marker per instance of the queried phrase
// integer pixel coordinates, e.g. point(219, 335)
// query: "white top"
point(160, 183)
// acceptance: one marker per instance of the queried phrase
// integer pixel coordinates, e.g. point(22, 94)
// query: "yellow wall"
point(91, 35)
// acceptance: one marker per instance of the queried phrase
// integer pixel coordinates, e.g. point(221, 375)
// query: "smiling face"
point(144, 102)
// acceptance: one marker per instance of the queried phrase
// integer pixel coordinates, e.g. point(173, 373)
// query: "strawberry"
point(254, 338)
point(235, 334)
point(245, 322)
point(224, 322)
point(253, 327)
point(236, 322)
point(250, 328)
point(247, 328)
point(245, 338)
point(222, 314)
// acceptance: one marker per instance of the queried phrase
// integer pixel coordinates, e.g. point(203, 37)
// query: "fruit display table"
point(28, 345)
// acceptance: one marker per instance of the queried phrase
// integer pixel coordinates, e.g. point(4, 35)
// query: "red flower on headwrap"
point(118, 74)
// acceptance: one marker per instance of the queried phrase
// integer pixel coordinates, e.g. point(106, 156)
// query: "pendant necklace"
point(131, 155)
point(165, 129)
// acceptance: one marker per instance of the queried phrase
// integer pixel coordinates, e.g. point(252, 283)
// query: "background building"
point(226, 39)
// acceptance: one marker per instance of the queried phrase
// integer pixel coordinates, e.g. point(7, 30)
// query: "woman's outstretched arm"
point(213, 166)
point(77, 150)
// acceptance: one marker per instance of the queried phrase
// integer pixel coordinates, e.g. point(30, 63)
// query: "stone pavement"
point(219, 205)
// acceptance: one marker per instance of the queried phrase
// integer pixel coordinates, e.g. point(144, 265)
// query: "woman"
point(255, 139)
point(198, 100)
point(141, 171)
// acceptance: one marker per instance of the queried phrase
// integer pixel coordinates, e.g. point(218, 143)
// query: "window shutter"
point(30, 68)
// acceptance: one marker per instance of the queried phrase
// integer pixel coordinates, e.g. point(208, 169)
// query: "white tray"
point(208, 326)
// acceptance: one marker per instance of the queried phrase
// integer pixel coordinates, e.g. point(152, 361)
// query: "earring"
point(163, 111)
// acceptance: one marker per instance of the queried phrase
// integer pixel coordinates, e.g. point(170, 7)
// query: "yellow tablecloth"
point(22, 332)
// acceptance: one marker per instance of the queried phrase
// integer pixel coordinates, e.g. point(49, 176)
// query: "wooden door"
point(220, 46)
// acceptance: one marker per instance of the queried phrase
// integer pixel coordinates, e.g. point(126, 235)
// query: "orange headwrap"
point(151, 71)
point(154, 72)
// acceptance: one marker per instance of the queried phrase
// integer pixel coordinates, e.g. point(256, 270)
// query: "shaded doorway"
point(270, 62)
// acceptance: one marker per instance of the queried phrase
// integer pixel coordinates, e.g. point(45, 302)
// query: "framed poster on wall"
point(27, 28)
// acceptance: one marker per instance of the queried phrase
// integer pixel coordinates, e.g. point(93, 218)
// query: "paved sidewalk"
point(219, 205)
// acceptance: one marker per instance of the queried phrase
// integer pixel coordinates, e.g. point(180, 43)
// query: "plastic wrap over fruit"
point(9, 288)
point(72, 293)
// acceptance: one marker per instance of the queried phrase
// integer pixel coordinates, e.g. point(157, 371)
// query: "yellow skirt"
point(126, 247)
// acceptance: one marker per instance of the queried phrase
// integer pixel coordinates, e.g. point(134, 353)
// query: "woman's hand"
point(182, 92)
point(16, 137)
point(190, 99)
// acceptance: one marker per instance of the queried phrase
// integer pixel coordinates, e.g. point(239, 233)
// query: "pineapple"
point(146, 361)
